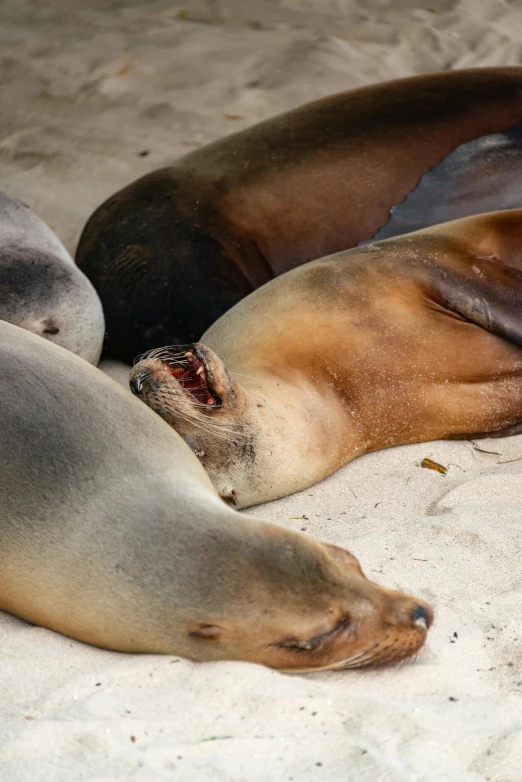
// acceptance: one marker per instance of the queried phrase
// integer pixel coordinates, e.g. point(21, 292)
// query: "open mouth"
point(190, 372)
point(192, 378)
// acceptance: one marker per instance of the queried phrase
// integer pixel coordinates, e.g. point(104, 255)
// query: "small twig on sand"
point(483, 450)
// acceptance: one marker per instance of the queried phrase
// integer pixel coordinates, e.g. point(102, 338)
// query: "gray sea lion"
point(406, 340)
point(174, 250)
point(42, 289)
point(112, 533)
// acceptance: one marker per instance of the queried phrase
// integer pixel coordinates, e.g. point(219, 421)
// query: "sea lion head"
point(306, 606)
point(194, 393)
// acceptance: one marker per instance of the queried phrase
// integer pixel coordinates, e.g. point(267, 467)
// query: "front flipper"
point(480, 176)
point(473, 268)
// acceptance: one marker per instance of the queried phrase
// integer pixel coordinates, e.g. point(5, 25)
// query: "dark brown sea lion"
point(173, 251)
point(406, 340)
point(112, 533)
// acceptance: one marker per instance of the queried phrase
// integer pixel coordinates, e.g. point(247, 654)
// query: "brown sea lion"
point(41, 288)
point(112, 533)
point(406, 340)
point(173, 251)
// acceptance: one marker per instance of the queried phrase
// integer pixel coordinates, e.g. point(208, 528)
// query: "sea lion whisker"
point(206, 426)
point(363, 653)
point(407, 660)
point(343, 663)
point(357, 661)
point(371, 657)
point(194, 411)
point(366, 658)
point(195, 406)
point(364, 662)
point(385, 656)
point(165, 350)
point(220, 428)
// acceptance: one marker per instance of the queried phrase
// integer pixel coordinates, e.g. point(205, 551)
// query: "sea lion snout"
point(137, 380)
point(197, 374)
point(386, 636)
point(345, 620)
point(196, 395)
point(381, 629)
point(403, 610)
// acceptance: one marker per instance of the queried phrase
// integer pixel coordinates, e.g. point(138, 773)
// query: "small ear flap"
point(221, 385)
point(344, 557)
point(209, 632)
point(229, 495)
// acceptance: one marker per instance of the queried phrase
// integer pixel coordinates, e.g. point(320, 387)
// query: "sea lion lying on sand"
point(113, 534)
point(174, 250)
point(406, 340)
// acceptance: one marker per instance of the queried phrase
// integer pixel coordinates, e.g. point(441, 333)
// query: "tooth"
point(200, 370)
point(189, 354)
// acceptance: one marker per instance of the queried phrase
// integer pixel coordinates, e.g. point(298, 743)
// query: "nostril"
point(136, 383)
point(52, 330)
point(421, 616)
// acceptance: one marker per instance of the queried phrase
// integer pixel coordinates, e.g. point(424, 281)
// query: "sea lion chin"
point(406, 340)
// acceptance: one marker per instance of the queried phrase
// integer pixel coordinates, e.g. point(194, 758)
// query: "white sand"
point(83, 92)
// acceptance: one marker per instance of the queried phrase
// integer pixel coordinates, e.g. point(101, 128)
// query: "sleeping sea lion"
point(406, 340)
point(174, 250)
point(112, 533)
point(42, 289)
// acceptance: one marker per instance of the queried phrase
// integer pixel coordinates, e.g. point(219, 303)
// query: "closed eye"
point(317, 640)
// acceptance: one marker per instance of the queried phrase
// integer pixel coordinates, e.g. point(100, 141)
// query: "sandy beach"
point(93, 95)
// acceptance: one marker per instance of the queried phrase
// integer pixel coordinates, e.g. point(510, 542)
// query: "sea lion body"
point(42, 289)
point(174, 250)
point(406, 340)
point(112, 533)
